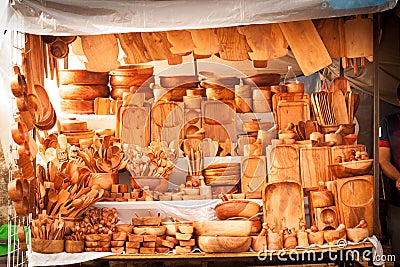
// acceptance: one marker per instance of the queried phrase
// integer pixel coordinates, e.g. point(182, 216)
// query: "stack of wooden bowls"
point(176, 86)
point(131, 78)
point(220, 88)
point(76, 132)
point(79, 89)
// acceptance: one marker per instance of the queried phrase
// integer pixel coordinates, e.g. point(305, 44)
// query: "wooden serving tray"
point(283, 204)
point(291, 112)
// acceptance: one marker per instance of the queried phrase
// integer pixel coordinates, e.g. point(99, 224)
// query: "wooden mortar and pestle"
point(335, 137)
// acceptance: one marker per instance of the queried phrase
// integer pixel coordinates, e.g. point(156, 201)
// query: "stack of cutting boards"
point(223, 177)
point(79, 89)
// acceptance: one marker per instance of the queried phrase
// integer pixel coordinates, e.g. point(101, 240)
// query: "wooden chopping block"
point(332, 34)
point(135, 126)
point(265, 40)
point(307, 46)
point(134, 48)
point(101, 52)
point(205, 41)
point(356, 200)
point(219, 120)
point(285, 164)
point(233, 45)
point(359, 37)
point(181, 42)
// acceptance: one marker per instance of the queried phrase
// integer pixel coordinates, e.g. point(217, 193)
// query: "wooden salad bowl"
point(224, 244)
point(236, 208)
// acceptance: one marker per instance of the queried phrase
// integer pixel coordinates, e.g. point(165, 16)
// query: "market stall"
point(137, 142)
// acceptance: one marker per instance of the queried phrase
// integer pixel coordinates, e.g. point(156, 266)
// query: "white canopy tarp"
point(77, 17)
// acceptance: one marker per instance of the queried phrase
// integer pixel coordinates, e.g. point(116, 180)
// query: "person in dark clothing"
point(389, 161)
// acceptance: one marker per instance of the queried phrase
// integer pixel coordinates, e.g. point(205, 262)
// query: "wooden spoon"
point(53, 198)
point(62, 198)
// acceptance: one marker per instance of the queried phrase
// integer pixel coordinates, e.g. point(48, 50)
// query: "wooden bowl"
point(222, 228)
point(180, 81)
point(83, 92)
point(263, 79)
point(117, 243)
point(295, 87)
point(83, 77)
point(73, 125)
point(349, 139)
point(321, 199)
point(19, 133)
point(149, 230)
point(255, 125)
point(236, 208)
point(15, 191)
point(126, 227)
point(154, 183)
point(133, 69)
point(119, 236)
point(352, 168)
point(224, 81)
point(47, 246)
point(333, 236)
point(98, 237)
point(131, 80)
point(316, 238)
point(220, 94)
point(224, 244)
point(72, 246)
point(147, 221)
point(59, 49)
point(118, 91)
point(357, 234)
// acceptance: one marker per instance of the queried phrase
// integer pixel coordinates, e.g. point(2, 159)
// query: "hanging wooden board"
point(254, 174)
point(167, 120)
point(205, 41)
point(314, 163)
point(157, 45)
point(134, 48)
point(101, 52)
point(135, 126)
point(332, 34)
point(233, 45)
point(219, 120)
point(339, 107)
point(359, 37)
point(291, 112)
point(307, 46)
point(284, 164)
point(181, 42)
point(356, 200)
point(340, 83)
point(283, 204)
point(265, 40)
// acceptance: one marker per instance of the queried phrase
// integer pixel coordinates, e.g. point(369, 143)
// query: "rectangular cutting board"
point(314, 163)
point(167, 120)
point(219, 120)
point(284, 164)
point(135, 126)
point(291, 112)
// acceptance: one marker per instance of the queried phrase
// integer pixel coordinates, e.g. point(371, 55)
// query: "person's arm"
point(387, 167)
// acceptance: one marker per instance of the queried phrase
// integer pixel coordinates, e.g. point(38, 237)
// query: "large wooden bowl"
point(236, 208)
point(47, 246)
point(83, 77)
point(131, 80)
point(220, 93)
point(77, 106)
point(224, 244)
point(83, 92)
point(72, 246)
point(263, 79)
point(181, 81)
point(352, 168)
point(133, 69)
point(222, 228)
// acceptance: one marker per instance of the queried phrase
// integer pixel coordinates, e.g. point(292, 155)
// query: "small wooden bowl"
point(295, 87)
point(15, 191)
point(118, 91)
point(220, 94)
point(133, 69)
point(170, 227)
point(72, 246)
point(182, 81)
point(47, 246)
point(127, 228)
point(352, 168)
point(278, 88)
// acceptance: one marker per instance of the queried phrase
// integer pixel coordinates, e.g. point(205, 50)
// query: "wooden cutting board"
point(265, 40)
point(339, 83)
point(167, 119)
point(157, 45)
point(290, 97)
point(101, 52)
point(135, 126)
point(307, 46)
point(332, 34)
point(356, 200)
point(134, 48)
point(339, 107)
point(314, 163)
point(233, 45)
point(359, 37)
point(283, 204)
point(205, 41)
point(284, 164)
point(181, 42)
point(291, 112)
point(219, 120)
point(253, 174)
